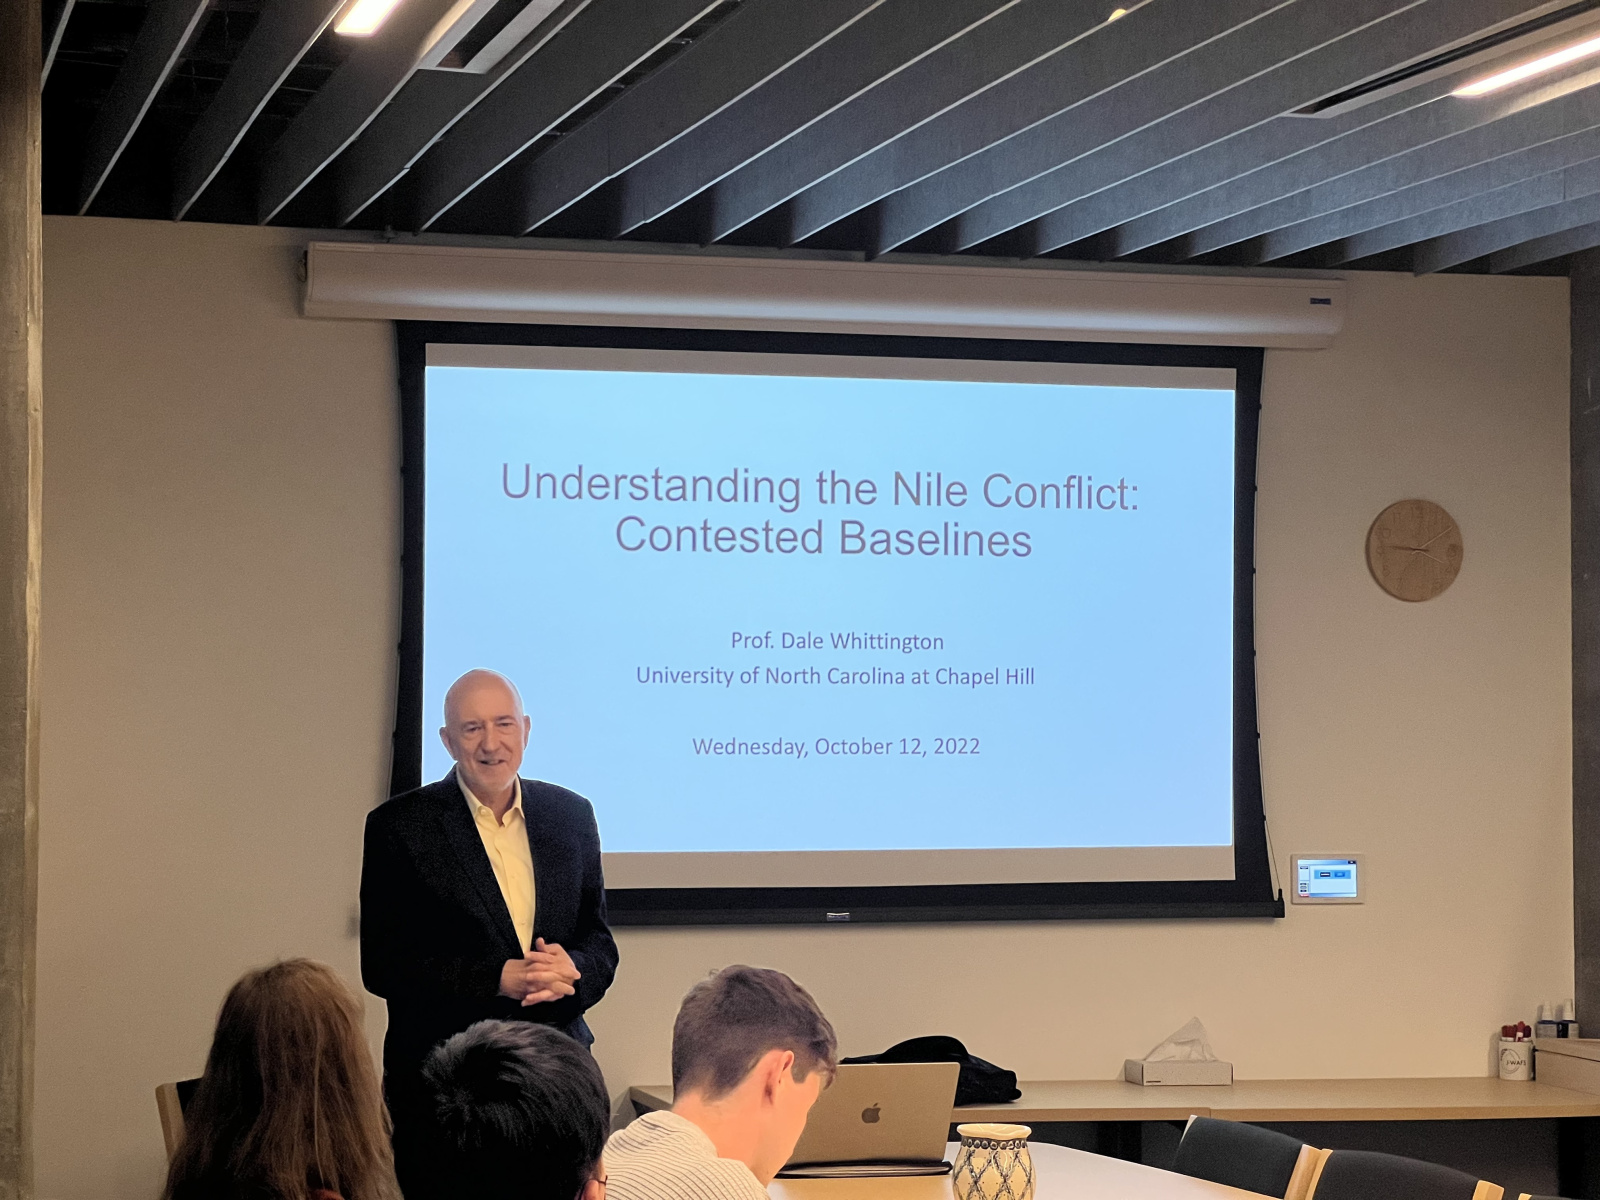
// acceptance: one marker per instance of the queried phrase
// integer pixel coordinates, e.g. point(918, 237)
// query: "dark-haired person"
point(289, 1106)
point(521, 1113)
point(481, 898)
point(751, 1051)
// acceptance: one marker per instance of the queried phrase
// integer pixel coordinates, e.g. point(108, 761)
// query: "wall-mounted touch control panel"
point(1327, 879)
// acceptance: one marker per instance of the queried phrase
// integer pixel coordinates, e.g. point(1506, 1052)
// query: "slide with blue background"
point(798, 613)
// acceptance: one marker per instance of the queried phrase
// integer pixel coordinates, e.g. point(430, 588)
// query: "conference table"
point(1059, 1173)
point(1466, 1098)
point(1558, 1128)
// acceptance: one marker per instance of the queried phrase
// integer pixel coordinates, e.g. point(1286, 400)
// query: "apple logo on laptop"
point(869, 1116)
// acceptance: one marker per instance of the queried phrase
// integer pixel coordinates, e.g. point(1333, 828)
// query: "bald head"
point(486, 732)
point(478, 680)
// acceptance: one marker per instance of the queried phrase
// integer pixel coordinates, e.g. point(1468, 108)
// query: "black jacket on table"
point(435, 931)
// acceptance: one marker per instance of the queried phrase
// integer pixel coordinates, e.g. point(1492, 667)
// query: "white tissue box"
point(1176, 1073)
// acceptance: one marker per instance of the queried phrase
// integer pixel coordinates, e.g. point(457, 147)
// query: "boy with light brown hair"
point(751, 1051)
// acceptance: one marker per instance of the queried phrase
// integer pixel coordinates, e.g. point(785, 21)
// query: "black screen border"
point(1250, 894)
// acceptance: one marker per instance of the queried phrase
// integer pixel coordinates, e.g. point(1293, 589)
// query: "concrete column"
point(1585, 432)
point(21, 370)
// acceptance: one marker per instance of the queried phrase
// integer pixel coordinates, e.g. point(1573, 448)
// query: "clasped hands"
point(544, 973)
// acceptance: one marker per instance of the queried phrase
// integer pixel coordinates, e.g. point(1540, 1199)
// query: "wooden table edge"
point(1545, 1102)
point(1333, 1113)
point(1046, 1115)
point(651, 1096)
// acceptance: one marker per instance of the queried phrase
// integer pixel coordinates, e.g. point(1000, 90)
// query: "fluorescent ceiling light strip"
point(363, 18)
point(1536, 66)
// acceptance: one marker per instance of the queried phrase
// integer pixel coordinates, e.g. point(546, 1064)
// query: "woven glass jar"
point(993, 1163)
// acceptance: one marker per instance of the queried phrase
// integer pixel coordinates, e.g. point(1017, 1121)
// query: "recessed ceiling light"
point(1534, 66)
point(363, 18)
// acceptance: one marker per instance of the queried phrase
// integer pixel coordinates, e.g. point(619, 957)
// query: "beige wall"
point(218, 670)
point(220, 613)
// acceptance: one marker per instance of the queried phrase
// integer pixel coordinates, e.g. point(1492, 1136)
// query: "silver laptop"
point(879, 1119)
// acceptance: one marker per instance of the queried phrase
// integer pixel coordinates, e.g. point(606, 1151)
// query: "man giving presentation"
point(481, 896)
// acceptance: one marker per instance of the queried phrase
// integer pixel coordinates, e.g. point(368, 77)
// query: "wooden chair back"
point(1246, 1156)
point(171, 1100)
point(1364, 1174)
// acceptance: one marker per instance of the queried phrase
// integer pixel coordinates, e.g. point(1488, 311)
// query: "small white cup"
point(1516, 1059)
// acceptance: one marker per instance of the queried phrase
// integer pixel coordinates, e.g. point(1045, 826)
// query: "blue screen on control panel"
point(1327, 879)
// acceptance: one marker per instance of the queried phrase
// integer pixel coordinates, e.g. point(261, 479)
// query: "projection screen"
point(848, 628)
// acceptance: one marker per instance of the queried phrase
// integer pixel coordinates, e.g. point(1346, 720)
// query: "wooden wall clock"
point(1414, 550)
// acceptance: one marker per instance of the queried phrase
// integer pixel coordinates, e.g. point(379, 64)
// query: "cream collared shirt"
point(506, 844)
point(664, 1156)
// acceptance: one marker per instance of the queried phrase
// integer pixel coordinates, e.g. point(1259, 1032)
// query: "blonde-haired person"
point(289, 1107)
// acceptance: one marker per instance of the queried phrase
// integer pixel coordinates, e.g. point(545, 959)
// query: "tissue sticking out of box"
point(1185, 1057)
point(1189, 1044)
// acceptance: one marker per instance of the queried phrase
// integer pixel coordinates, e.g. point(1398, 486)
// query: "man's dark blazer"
point(435, 931)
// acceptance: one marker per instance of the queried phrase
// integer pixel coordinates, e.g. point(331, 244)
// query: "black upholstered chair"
point(1248, 1157)
point(1367, 1175)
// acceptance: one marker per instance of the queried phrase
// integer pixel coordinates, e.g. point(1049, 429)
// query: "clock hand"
point(1425, 554)
point(1436, 537)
